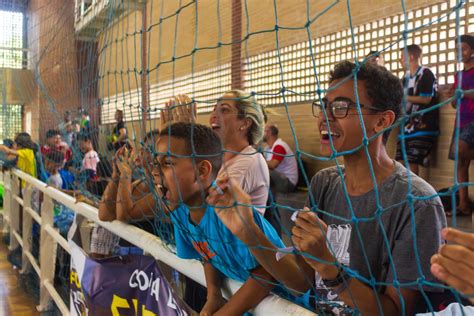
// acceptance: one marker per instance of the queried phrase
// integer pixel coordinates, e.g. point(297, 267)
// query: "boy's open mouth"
point(164, 191)
point(325, 135)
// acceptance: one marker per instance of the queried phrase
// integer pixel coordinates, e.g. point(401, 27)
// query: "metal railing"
point(50, 239)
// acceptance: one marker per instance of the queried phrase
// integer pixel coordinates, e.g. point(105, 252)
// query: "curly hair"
point(384, 89)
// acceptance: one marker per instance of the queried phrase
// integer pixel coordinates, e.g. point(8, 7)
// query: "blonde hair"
point(248, 107)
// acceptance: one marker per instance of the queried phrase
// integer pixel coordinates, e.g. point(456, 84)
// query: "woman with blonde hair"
point(238, 120)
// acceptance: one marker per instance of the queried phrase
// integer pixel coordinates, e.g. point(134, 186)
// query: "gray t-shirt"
point(395, 221)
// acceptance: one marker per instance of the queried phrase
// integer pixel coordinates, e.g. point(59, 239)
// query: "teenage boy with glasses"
point(385, 236)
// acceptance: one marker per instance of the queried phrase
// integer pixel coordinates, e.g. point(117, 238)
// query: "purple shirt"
point(467, 105)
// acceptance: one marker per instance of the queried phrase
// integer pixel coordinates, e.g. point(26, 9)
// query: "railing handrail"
point(153, 245)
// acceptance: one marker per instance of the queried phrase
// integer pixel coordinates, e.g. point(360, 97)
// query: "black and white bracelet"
point(340, 283)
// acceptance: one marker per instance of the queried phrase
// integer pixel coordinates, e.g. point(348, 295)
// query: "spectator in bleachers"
point(421, 130)
point(127, 198)
point(66, 121)
point(54, 160)
point(466, 127)
point(85, 122)
point(238, 120)
point(281, 162)
point(8, 161)
point(54, 142)
point(69, 134)
point(184, 182)
point(379, 250)
point(283, 169)
point(24, 151)
point(119, 134)
point(88, 169)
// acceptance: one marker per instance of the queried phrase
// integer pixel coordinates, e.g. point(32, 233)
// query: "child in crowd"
point(23, 149)
point(8, 161)
point(184, 183)
point(53, 162)
point(91, 158)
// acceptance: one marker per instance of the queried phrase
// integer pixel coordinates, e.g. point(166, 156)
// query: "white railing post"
point(76, 11)
point(48, 247)
point(27, 228)
point(7, 197)
point(14, 216)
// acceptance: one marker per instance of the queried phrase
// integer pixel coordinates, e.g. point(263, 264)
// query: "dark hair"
point(468, 39)
point(83, 137)
point(372, 53)
point(413, 50)
point(104, 168)
point(207, 145)
point(23, 140)
point(151, 135)
point(273, 130)
point(8, 142)
point(55, 156)
point(382, 87)
point(52, 132)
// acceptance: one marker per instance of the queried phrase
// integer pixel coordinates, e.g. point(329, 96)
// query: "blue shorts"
point(466, 134)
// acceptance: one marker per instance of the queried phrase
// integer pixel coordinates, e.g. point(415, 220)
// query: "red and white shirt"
point(288, 165)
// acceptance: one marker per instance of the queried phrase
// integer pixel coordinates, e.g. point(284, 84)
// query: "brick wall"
point(52, 47)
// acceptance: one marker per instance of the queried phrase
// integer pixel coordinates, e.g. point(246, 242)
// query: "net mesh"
point(133, 56)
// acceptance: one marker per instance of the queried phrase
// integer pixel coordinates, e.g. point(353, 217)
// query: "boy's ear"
point(204, 169)
point(384, 121)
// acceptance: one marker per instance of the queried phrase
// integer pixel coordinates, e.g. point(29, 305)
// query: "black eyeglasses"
point(338, 108)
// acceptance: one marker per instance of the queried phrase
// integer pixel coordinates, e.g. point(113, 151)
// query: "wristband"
point(341, 279)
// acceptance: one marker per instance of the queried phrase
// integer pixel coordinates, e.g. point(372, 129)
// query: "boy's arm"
point(309, 236)
point(8, 151)
point(214, 296)
point(107, 205)
point(252, 292)
point(291, 270)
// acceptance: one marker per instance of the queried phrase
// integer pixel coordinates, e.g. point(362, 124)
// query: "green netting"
point(136, 55)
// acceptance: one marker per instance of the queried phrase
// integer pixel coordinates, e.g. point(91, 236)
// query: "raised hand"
point(124, 161)
point(454, 263)
point(309, 237)
point(178, 109)
point(230, 203)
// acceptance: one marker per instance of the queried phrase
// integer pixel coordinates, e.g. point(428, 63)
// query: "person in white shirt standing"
point(281, 161)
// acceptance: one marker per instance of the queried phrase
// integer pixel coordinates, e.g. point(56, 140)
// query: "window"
point(10, 121)
point(11, 39)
